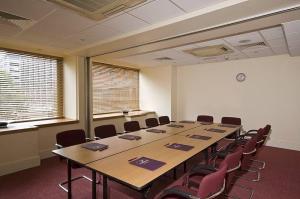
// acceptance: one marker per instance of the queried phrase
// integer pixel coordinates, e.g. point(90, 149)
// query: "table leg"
point(206, 155)
point(94, 190)
point(104, 184)
point(174, 174)
point(69, 179)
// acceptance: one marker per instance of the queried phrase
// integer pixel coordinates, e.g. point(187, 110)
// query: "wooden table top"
point(118, 145)
point(118, 167)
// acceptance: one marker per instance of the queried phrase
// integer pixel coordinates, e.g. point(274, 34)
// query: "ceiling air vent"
point(252, 46)
point(13, 22)
point(97, 9)
point(163, 59)
point(210, 51)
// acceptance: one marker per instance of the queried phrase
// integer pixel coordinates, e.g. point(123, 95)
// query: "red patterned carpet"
point(279, 180)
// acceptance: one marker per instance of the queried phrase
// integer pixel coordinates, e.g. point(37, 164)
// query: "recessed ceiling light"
point(244, 41)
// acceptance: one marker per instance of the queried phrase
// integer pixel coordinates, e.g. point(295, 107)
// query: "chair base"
point(251, 191)
point(263, 164)
point(61, 185)
point(253, 171)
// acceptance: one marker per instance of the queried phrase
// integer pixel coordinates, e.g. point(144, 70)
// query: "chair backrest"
point(213, 184)
point(205, 118)
point(70, 137)
point(260, 135)
point(105, 131)
point(151, 122)
point(131, 126)
point(231, 120)
point(164, 120)
point(250, 145)
point(233, 160)
point(267, 129)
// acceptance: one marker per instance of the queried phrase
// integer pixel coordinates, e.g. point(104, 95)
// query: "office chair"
point(164, 120)
point(105, 131)
point(131, 126)
point(211, 186)
point(70, 138)
point(205, 118)
point(232, 121)
point(151, 122)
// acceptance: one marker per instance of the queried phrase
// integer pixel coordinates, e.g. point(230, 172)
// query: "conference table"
point(116, 162)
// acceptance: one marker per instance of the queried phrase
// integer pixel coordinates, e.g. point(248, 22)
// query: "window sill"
point(29, 126)
point(120, 115)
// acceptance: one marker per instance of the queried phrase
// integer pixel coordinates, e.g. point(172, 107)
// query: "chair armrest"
point(144, 127)
point(89, 139)
point(96, 138)
point(120, 133)
point(202, 169)
point(58, 146)
point(172, 121)
point(178, 192)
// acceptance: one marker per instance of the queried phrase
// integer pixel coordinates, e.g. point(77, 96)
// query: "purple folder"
point(216, 130)
point(130, 137)
point(187, 122)
point(155, 131)
point(147, 163)
point(181, 147)
point(228, 125)
point(200, 137)
point(175, 125)
point(95, 146)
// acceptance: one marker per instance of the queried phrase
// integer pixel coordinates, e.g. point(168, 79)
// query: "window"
point(30, 86)
point(114, 88)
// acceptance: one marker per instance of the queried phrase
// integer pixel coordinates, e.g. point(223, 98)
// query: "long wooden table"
point(116, 145)
point(118, 168)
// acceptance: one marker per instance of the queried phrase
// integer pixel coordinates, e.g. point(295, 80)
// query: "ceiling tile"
point(272, 33)
point(295, 51)
point(32, 9)
point(93, 34)
point(125, 23)
point(292, 27)
point(280, 50)
point(277, 42)
point(146, 12)
point(259, 53)
point(193, 5)
point(253, 37)
point(57, 25)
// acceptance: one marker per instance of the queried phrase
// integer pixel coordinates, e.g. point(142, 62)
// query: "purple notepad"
point(228, 125)
point(187, 122)
point(181, 147)
point(216, 130)
point(175, 125)
point(130, 137)
point(95, 146)
point(200, 137)
point(147, 163)
point(155, 131)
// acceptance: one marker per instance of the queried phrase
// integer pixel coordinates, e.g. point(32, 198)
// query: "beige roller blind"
point(114, 88)
point(31, 86)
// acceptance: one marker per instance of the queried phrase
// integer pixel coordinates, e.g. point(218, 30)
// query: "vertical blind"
point(114, 88)
point(31, 86)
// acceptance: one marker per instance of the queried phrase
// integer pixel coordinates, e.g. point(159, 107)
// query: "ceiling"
point(63, 29)
point(59, 31)
point(274, 39)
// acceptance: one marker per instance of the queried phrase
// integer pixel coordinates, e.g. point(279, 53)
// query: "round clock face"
point(240, 77)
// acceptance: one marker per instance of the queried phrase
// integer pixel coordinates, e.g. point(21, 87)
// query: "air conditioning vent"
point(210, 51)
point(13, 22)
point(252, 46)
point(164, 59)
point(97, 9)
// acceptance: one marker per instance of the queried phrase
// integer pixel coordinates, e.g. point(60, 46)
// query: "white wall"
point(156, 90)
point(270, 94)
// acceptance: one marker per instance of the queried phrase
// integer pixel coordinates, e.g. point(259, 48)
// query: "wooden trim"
point(117, 66)
point(53, 122)
point(17, 128)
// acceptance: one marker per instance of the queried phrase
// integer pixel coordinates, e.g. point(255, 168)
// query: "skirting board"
point(283, 144)
point(18, 165)
point(46, 154)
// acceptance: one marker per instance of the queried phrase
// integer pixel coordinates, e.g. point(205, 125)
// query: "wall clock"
point(240, 77)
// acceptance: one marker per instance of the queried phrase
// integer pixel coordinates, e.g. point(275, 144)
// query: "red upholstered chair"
point(105, 131)
point(233, 121)
point(151, 122)
point(211, 186)
point(131, 126)
point(205, 118)
point(164, 120)
point(70, 138)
